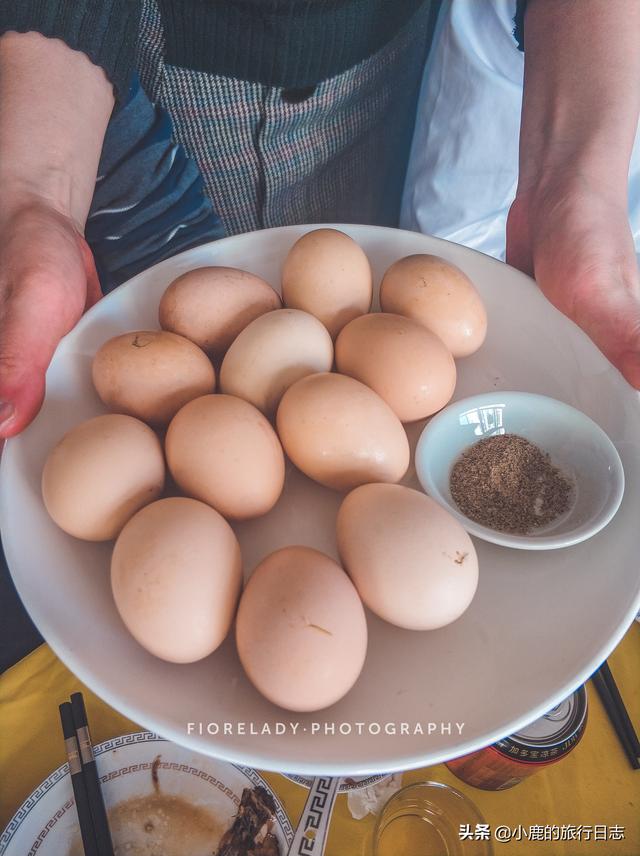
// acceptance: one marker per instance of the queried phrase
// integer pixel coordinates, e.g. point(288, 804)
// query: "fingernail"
point(7, 412)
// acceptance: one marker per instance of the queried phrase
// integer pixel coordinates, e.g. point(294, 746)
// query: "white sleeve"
point(463, 166)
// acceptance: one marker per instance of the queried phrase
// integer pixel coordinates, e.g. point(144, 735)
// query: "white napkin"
point(370, 800)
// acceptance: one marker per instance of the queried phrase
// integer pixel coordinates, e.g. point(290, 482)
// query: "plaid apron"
point(272, 157)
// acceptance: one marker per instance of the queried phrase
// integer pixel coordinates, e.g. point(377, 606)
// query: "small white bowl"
point(575, 444)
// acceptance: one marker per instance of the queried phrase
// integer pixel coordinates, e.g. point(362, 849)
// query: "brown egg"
point(223, 451)
point(301, 630)
point(176, 575)
point(407, 365)
point(341, 433)
point(272, 353)
point(439, 295)
point(411, 561)
point(150, 374)
point(327, 274)
point(100, 474)
point(211, 305)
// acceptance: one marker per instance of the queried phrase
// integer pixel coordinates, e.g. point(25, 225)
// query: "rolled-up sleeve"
point(104, 30)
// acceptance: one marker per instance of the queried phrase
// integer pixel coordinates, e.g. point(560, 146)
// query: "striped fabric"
point(270, 157)
point(149, 202)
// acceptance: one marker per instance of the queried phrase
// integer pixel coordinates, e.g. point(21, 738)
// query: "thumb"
point(94, 289)
point(609, 312)
point(43, 290)
point(29, 334)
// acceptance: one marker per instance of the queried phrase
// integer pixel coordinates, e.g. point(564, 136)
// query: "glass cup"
point(425, 819)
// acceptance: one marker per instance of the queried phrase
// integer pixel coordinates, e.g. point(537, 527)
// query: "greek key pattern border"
point(31, 801)
point(345, 784)
point(116, 743)
point(316, 817)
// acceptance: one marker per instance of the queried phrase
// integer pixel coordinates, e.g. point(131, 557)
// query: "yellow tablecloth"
point(594, 785)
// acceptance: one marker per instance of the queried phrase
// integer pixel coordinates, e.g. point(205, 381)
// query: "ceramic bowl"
point(573, 441)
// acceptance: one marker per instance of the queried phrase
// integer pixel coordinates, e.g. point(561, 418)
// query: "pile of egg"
point(323, 381)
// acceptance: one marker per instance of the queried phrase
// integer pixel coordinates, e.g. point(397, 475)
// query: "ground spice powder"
point(506, 483)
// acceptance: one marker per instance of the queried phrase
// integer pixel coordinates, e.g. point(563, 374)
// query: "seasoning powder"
point(506, 483)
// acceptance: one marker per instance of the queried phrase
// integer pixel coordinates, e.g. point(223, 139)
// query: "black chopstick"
point(605, 671)
point(91, 780)
point(77, 781)
point(614, 714)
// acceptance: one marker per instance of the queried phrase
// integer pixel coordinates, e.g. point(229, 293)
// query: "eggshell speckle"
point(340, 433)
point(328, 274)
point(100, 474)
point(301, 630)
point(150, 374)
point(272, 353)
point(411, 561)
point(211, 305)
point(439, 295)
point(176, 576)
point(407, 365)
point(223, 451)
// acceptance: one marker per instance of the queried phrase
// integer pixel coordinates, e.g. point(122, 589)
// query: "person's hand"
point(575, 240)
point(47, 279)
point(55, 105)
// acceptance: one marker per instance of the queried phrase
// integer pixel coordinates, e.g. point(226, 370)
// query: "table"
point(593, 786)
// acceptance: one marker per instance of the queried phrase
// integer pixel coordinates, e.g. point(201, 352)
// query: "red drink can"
point(544, 742)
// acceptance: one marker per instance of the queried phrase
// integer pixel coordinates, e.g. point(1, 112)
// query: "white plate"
point(539, 625)
point(47, 823)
